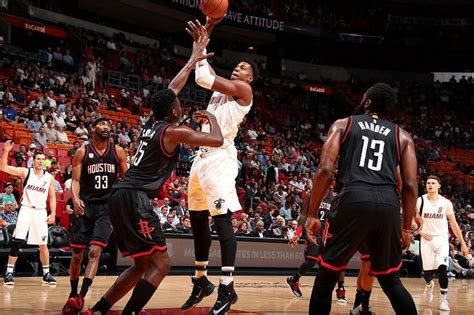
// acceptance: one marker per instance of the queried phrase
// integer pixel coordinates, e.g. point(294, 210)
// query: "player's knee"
point(94, 252)
point(15, 249)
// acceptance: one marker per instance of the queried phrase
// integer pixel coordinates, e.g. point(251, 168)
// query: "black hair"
point(39, 152)
point(98, 120)
point(255, 71)
point(436, 178)
point(383, 98)
point(161, 103)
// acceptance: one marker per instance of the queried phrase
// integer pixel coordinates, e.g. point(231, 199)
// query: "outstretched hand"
point(200, 45)
point(194, 29)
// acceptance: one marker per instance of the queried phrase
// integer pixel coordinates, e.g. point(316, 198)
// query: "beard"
point(103, 135)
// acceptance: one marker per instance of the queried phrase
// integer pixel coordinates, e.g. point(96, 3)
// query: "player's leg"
point(428, 263)
point(44, 258)
point(399, 297)
point(364, 286)
point(38, 235)
point(311, 254)
point(341, 290)
point(442, 255)
point(75, 269)
point(159, 266)
point(321, 296)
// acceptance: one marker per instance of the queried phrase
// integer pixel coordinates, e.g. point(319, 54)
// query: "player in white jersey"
point(33, 220)
point(212, 179)
point(436, 211)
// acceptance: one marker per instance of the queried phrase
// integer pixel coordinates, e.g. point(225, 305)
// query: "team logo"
point(440, 209)
point(219, 203)
point(145, 229)
point(43, 238)
point(44, 183)
point(91, 155)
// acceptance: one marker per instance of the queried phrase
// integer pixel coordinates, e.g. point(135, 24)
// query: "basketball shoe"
point(341, 295)
point(294, 286)
point(48, 279)
point(74, 304)
point(8, 279)
point(360, 311)
point(226, 296)
point(201, 288)
point(428, 293)
point(443, 303)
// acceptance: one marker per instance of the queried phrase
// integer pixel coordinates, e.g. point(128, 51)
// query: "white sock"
point(444, 292)
point(201, 269)
point(45, 269)
point(10, 268)
point(227, 278)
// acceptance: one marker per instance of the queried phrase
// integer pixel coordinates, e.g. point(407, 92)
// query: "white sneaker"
point(428, 293)
point(443, 303)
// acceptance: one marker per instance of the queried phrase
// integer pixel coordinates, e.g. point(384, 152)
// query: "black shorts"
point(364, 252)
point(136, 226)
point(92, 228)
point(370, 217)
point(311, 250)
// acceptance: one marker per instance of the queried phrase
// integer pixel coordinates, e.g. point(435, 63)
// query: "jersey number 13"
point(377, 146)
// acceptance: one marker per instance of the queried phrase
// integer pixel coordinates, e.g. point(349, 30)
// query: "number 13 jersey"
point(99, 173)
point(369, 153)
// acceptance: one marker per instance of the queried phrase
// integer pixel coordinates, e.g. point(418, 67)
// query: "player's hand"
point(405, 240)
point(294, 241)
point(464, 250)
point(78, 206)
point(313, 225)
point(8, 146)
point(419, 222)
point(426, 236)
point(203, 116)
point(51, 219)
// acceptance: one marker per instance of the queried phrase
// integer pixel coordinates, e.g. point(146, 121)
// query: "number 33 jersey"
point(99, 173)
point(369, 153)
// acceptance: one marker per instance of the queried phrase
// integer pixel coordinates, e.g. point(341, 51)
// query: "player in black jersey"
point(96, 166)
point(367, 208)
point(311, 251)
point(136, 226)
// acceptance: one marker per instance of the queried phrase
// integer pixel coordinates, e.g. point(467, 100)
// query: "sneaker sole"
point(205, 296)
point(341, 301)
point(48, 284)
point(10, 284)
point(293, 292)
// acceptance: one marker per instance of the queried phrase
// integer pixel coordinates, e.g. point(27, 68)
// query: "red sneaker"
point(341, 296)
point(76, 303)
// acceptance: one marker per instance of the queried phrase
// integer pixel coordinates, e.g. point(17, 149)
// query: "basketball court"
point(257, 295)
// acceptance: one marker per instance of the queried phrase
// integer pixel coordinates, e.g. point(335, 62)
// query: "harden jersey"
point(434, 215)
point(370, 152)
point(229, 115)
point(36, 189)
point(152, 164)
point(99, 173)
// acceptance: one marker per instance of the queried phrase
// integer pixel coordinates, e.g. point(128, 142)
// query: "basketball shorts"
point(365, 216)
point(32, 222)
point(311, 250)
point(92, 228)
point(136, 226)
point(364, 252)
point(212, 183)
point(434, 253)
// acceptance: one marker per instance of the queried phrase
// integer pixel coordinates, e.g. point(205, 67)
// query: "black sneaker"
point(48, 279)
point(8, 279)
point(294, 286)
point(201, 288)
point(226, 296)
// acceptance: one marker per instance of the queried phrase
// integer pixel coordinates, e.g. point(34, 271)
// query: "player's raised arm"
point(12, 170)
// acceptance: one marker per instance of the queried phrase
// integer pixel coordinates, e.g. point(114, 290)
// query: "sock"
point(296, 277)
point(74, 284)
point(340, 285)
point(10, 268)
point(142, 293)
point(45, 269)
point(201, 269)
point(444, 291)
point(358, 298)
point(226, 277)
point(365, 298)
point(102, 306)
point(86, 283)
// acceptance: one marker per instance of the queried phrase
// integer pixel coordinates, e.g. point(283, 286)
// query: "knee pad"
point(15, 249)
point(227, 239)
point(443, 276)
point(202, 234)
point(428, 275)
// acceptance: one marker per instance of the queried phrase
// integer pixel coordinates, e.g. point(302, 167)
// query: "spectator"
point(49, 160)
point(156, 206)
point(182, 208)
point(23, 153)
point(81, 131)
point(277, 229)
point(185, 225)
point(9, 215)
point(10, 113)
point(260, 231)
point(61, 136)
point(19, 161)
point(75, 147)
point(8, 196)
point(34, 125)
point(243, 229)
point(168, 226)
point(235, 225)
point(40, 139)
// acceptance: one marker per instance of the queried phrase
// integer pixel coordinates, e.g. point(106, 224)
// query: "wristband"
point(299, 231)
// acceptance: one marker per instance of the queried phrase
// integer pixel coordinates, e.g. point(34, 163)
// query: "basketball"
point(214, 9)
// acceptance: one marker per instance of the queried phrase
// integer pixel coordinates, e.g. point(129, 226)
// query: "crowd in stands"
point(56, 103)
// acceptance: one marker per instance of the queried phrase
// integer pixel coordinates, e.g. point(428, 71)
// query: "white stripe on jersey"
point(36, 189)
point(229, 114)
point(434, 215)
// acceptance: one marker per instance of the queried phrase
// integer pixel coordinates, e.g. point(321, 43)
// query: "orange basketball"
point(214, 9)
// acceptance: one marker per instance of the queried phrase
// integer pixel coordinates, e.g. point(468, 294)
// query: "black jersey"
point(99, 173)
point(152, 164)
point(370, 152)
point(325, 207)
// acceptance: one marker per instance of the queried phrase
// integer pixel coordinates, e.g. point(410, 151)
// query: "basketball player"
point(312, 250)
point(367, 208)
point(96, 166)
point(436, 211)
point(212, 179)
point(136, 226)
point(33, 219)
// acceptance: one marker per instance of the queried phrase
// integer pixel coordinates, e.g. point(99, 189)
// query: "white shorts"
point(434, 253)
point(32, 222)
point(212, 183)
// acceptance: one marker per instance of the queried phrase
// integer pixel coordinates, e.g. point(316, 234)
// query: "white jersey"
point(229, 115)
point(36, 190)
point(434, 215)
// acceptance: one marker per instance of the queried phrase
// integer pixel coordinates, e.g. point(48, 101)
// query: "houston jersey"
point(36, 189)
point(99, 173)
point(325, 207)
point(434, 215)
point(152, 164)
point(229, 115)
point(370, 152)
